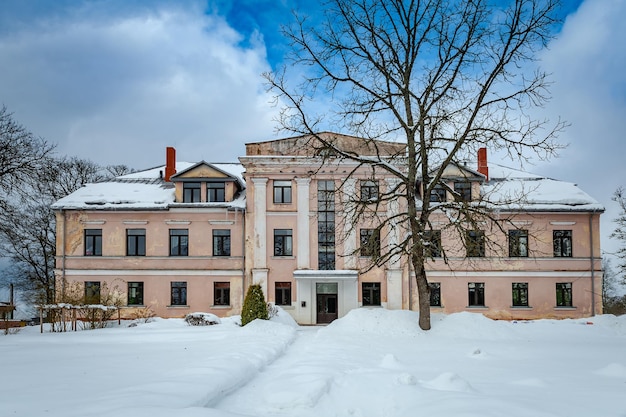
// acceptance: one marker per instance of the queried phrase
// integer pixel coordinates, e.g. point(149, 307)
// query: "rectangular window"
point(283, 293)
point(432, 243)
point(562, 240)
point(326, 225)
point(216, 192)
point(282, 192)
point(435, 294)
point(191, 192)
point(283, 242)
point(135, 242)
point(179, 293)
point(92, 292)
point(475, 243)
point(476, 294)
point(520, 294)
point(564, 294)
point(371, 293)
point(221, 242)
point(438, 194)
point(463, 190)
point(135, 293)
point(93, 242)
point(518, 243)
point(369, 190)
point(370, 242)
point(221, 294)
point(179, 242)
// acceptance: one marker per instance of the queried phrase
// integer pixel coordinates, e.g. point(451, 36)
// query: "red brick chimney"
point(170, 162)
point(482, 163)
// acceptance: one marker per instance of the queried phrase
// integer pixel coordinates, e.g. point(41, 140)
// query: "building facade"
point(191, 237)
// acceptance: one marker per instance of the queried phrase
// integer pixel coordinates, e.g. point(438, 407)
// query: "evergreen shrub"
point(254, 306)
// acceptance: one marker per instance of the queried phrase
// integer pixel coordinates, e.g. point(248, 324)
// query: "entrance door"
point(326, 308)
point(326, 302)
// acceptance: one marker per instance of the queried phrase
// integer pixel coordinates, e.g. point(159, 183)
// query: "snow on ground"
point(373, 362)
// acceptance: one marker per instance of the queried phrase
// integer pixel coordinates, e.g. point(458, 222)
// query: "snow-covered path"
point(296, 380)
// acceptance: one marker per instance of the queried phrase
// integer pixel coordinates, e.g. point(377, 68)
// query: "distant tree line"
point(613, 296)
point(32, 177)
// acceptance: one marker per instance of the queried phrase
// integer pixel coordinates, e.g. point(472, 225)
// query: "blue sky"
point(116, 81)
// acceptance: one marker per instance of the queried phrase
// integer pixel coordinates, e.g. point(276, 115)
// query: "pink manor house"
point(191, 237)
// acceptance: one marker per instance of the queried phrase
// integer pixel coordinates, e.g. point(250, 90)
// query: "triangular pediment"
point(457, 171)
point(315, 145)
point(202, 171)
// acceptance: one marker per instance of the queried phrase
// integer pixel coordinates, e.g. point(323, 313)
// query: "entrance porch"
point(323, 296)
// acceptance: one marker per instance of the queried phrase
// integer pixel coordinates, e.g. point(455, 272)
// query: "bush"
point(615, 305)
point(254, 306)
point(202, 319)
point(272, 310)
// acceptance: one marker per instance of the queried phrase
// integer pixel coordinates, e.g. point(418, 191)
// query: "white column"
point(394, 273)
point(350, 243)
point(393, 237)
point(260, 222)
point(303, 232)
point(394, 289)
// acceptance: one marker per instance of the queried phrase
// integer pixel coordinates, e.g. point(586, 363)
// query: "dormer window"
point(369, 191)
point(191, 192)
point(216, 192)
point(463, 190)
point(438, 194)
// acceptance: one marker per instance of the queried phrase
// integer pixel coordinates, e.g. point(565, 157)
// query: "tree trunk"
point(423, 291)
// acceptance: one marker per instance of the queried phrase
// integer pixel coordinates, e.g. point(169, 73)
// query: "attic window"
point(216, 192)
point(191, 192)
point(369, 191)
point(463, 190)
point(438, 194)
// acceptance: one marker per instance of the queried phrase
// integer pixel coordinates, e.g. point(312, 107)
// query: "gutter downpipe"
point(243, 248)
point(63, 256)
point(591, 262)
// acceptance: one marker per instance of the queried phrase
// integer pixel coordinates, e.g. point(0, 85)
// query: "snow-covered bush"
point(272, 310)
point(202, 319)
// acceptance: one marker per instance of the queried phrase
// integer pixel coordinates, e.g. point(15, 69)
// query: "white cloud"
point(587, 63)
point(119, 88)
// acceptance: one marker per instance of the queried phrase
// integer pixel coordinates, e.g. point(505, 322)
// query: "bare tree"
point(21, 153)
point(28, 226)
point(620, 231)
point(445, 77)
point(613, 297)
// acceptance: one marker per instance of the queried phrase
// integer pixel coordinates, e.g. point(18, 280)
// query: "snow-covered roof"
point(507, 188)
point(518, 190)
point(141, 190)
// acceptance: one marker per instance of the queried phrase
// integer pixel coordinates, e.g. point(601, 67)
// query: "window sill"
point(286, 257)
point(221, 307)
point(565, 308)
point(372, 306)
point(178, 306)
point(436, 306)
point(478, 307)
point(522, 307)
point(134, 306)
